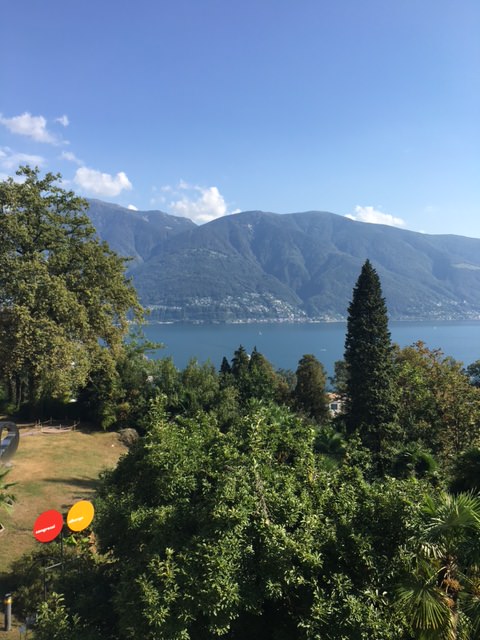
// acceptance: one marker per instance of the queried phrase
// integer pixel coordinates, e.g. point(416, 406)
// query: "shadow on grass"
point(82, 483)
point(85, 486)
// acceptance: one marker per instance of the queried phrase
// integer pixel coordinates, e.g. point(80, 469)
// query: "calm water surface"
point(284, 344)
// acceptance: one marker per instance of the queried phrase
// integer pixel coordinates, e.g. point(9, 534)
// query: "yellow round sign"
point(80, 515)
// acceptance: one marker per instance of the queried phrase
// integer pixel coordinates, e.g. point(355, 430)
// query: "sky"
point(203, 108)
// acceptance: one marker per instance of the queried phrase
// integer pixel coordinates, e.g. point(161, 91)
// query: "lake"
point(284, 344)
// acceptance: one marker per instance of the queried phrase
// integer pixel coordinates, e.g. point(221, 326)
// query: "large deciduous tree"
point(368, 355)
point(63, 293)
point(438, 406)
point(246, 534)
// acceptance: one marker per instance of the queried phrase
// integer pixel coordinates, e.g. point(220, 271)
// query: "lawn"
point(51, 471)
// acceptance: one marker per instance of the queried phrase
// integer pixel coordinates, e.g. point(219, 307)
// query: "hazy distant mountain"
point(134, 233)
point(257, 265)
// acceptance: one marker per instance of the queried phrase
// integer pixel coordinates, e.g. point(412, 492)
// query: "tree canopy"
point(64, 297)
point(310, 394)
point(245, 534)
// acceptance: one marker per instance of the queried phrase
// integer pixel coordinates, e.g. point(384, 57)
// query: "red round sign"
point(48, 525)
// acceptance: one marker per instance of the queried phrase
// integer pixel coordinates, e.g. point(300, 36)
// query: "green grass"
point(51, 472)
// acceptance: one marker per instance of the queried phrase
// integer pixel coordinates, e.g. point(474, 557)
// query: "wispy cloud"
point(63, 120)
point(101, 184)
point(34, 127)
point(132, 207)
point(373, 216)
point(71, 157)
point(10, 160)
point(200, 204)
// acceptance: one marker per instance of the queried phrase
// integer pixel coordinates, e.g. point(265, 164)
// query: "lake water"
point(284, 344)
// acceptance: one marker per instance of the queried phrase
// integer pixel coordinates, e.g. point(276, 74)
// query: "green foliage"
point(286, 383)
point(466, 472)
point(240, 360)
point(440, 594)
point(262, 379)
point(199, 387)
point(54, 623)
point(225, 367)
point(84, 580)
point(473, 373)
point(371, 406)
point(413, 461)
point(437, 405)
point(239, 371)
point(253, 376)
point(330, 443)
point(310, 395)
point(339, 380)
point(245, 534)
point(62, 291)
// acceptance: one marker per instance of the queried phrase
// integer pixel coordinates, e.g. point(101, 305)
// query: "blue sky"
point(366, 108)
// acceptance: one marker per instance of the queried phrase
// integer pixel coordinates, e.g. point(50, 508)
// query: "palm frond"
point(426, 606)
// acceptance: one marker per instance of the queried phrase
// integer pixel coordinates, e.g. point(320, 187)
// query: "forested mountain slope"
point(258, 265)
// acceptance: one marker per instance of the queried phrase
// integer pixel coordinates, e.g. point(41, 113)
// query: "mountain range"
point(258, 265)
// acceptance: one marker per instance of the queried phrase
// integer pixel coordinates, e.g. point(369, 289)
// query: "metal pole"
point(8, 611)
point(61, 550)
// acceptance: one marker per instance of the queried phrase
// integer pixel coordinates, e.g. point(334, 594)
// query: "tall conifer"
point(368, 356)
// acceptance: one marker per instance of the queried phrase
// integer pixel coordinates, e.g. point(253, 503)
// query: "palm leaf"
point(425, 605)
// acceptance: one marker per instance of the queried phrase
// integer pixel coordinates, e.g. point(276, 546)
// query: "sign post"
point(49, 525)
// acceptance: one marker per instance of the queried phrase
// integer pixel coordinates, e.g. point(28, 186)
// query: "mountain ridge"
point(257, 265)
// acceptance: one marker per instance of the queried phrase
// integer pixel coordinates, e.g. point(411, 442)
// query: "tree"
point(216, 540)
point(310, 395)
point(466, 472)
point(262, 379)
point(118, 392)
point(441, 593)
point(239, 371)
point(225, 368)
point(473, 373)
point(64, 298)
point(368, 355)
point(252, 375)
point(245, 534)
point(54, 623)
point(199, 386)
point(437, 405)
point(339, 380)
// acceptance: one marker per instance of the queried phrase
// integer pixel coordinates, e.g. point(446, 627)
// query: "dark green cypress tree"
point(240, 372)
point(240, 362)
point(225, 367)
point(371, 406)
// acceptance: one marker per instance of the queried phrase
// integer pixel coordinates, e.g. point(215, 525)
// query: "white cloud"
point(71, 157)
point(101, 184)
point(12, 160)
point(200, 204)
point(132, 207)
point(34, 127)
point(373, 216)
point(63, 120)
